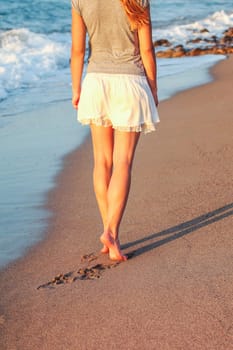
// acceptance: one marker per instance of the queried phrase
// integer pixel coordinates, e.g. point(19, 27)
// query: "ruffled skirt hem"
point(102, 121)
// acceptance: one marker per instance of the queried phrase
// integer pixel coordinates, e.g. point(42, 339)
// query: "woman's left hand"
point(75, 100)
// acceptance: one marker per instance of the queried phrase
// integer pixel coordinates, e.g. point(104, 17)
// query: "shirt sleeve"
point(76, 6)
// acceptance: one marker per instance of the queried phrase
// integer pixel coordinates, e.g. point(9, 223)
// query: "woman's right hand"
point(156, 100)
point(155, 96)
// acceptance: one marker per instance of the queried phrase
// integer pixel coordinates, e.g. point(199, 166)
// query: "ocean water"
point(34, 76)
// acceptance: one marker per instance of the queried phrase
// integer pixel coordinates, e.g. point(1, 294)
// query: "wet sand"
point(175, 291)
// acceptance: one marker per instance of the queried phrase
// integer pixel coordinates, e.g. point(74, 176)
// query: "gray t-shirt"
point(113, 46)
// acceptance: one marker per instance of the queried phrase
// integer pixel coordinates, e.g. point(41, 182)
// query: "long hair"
point(136, 13)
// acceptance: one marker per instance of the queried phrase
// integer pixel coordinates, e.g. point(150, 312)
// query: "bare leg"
point(102, 139)
point(124, 147)
point(113, 157)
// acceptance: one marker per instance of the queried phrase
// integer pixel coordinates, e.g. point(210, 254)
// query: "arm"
point(148, 56)
point(78, 46)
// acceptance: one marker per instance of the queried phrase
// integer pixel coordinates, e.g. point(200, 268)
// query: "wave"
point(27, 57)
point(182, 34)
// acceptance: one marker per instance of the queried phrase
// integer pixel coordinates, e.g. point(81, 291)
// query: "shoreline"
point(67, 239)
point(41, 171)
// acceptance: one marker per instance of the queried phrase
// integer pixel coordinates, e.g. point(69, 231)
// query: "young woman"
point(117, 98)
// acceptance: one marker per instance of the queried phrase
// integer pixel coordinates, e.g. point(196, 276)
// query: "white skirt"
point(123, 101)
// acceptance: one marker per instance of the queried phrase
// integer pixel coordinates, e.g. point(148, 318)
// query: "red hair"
point(136, 13)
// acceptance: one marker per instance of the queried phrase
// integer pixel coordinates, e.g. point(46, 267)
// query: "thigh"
point(102, 140)
point(124, 146)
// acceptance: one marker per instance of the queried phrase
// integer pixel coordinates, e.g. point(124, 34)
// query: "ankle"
point(111, 232)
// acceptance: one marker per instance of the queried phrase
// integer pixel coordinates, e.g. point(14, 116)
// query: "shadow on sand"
point(95, 264)
point(178, 231)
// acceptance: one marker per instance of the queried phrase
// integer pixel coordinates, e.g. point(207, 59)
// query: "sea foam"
point(27, 57)
point(181, 34)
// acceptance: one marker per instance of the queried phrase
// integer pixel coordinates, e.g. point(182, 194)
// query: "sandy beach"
point(175, 291)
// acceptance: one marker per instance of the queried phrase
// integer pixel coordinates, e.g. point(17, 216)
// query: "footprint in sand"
point(84, 273)
point(2, 320)
point(89, 257)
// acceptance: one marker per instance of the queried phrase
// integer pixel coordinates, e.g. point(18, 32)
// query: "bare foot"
point(113, 246)
point(104, 250)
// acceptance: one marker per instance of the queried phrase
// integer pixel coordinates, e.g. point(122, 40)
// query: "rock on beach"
point(212, 45)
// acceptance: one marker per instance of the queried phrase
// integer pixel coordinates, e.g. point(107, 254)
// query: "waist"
point(116, 65)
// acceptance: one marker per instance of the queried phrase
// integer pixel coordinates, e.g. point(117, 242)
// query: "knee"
point(122, 164)
point(103, 164)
